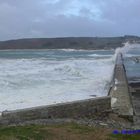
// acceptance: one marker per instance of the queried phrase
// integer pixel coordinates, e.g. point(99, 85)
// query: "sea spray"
point(131, 56)
point(124, 50)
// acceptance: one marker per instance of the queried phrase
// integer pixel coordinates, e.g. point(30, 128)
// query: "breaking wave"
point(29, 82)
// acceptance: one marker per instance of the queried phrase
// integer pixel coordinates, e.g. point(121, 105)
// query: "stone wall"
point(90, 108)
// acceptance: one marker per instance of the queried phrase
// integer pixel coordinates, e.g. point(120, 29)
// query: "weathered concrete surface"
point(91, 108)
point(120, 96)
point(135, 91)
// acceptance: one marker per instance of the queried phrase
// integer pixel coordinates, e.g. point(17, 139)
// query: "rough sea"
point(132, 63)
point(30, 78)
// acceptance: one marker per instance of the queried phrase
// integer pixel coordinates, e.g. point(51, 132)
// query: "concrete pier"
point(120, 95)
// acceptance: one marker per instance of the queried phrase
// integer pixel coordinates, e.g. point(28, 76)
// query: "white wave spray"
point(29, 82)
point(124, 50)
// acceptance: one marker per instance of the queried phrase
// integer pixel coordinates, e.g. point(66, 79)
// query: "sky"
point(68, 18)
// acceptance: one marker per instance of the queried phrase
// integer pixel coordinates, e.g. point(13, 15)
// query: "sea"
point(132, 63)
point(30, 78)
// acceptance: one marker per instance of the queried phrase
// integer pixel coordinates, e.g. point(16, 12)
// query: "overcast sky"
point(63, 18)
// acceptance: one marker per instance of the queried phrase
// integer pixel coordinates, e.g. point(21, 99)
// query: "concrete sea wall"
point(120, 94)
point(91, 108)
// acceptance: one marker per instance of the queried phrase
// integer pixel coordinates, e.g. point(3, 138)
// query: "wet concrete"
point(120, 96)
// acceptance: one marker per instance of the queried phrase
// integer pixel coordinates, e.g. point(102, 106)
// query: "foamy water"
point(132, 62)
point(34, 78)
point(131, 56)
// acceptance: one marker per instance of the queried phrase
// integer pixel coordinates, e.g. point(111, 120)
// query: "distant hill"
point(68, 43)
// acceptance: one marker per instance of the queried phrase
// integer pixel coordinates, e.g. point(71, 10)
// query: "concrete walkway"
point(120, 96)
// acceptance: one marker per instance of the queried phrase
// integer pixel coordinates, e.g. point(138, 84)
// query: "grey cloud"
point(55, 18)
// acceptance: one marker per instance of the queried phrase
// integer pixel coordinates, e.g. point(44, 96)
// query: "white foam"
point(116, 81)
point(113, 101)
point(32, 82)
point(126, 48)
point(98, 55)
point(115, 88)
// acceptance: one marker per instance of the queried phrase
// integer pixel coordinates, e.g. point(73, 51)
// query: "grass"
point(125, 137)
point(23, 133)
point(70, 131)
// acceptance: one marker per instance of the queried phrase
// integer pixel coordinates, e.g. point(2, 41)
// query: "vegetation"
point(68, 43)
point(69, 131)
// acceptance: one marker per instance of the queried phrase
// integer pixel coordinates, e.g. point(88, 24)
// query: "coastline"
point(96, 109)
point(87, 43)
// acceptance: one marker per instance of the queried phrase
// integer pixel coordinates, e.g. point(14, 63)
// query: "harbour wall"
point(118, 100)
point(90, 108)
point(121, 101)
